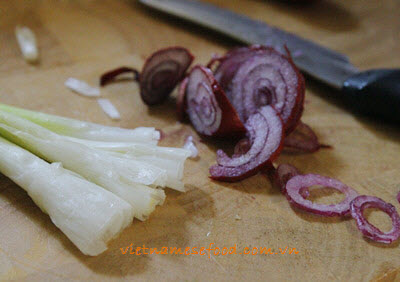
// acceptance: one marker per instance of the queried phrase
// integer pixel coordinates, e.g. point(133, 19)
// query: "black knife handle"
point(375, 93)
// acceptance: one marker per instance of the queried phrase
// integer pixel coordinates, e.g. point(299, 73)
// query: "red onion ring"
point(208, 109)
point(258, 75)
point(303, 139)
point(359, 204)
point(180, 100)
point(161, 72)
point(265, 134)
point(112, 74)
point(297, 189)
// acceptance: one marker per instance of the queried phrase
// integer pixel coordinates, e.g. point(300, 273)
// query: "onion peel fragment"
point(282, 174)
point(112, 74)
point(303, 139)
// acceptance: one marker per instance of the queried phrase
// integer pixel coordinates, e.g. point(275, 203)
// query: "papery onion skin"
point(303, 139)
point(181, 100)
point(245, 74)
point(112, 74)
point(359, 204)
point(296, 191)
point(162, 71)
point(282, 174)
point(213, 115)
point(265, 133)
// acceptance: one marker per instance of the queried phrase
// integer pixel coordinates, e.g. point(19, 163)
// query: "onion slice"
point(265, 133)
point(359, 204)
point(230, 62)
point(81, 87)
point(303, 139)
point(161, 72)
point(208, 108)
point(109, 109)
point(256, 76)
point(296, 191)
point(112, 74)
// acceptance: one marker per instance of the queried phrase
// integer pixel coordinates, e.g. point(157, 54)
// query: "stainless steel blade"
point(322, 63)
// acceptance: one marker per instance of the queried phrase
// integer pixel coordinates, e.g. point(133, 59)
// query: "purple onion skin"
point(283, 173)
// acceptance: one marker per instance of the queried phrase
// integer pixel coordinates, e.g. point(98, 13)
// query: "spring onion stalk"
point(88, 215)
point(170, 159)
point(136, 149)
point(86, 130)
point(126, 178)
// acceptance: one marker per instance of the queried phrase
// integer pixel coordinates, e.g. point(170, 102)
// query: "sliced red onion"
point(162, 72)
point(181, 99)
point(230, 62)
point(258, 75)
point(303, 139)
point(209, 110)
point(112, 74)
point(265, 134)
point(359, 204)
point(282, 174)
point(296, 191)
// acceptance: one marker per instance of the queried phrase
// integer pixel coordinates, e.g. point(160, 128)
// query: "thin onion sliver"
point(109, 109)
point(82, 88)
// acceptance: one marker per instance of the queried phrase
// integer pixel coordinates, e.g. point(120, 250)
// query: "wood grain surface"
point(84, 38)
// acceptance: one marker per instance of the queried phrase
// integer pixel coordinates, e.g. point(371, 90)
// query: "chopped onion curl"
point(189, 145)
point(27, 43)
point(109, 109)
point(82, 88)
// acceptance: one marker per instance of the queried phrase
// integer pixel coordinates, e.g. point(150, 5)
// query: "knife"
point(374, 92)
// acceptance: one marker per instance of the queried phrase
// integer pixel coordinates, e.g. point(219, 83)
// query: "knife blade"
point(322, 63)
point(374, 92)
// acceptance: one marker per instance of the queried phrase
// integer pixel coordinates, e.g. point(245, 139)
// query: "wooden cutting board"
point(84, 38)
